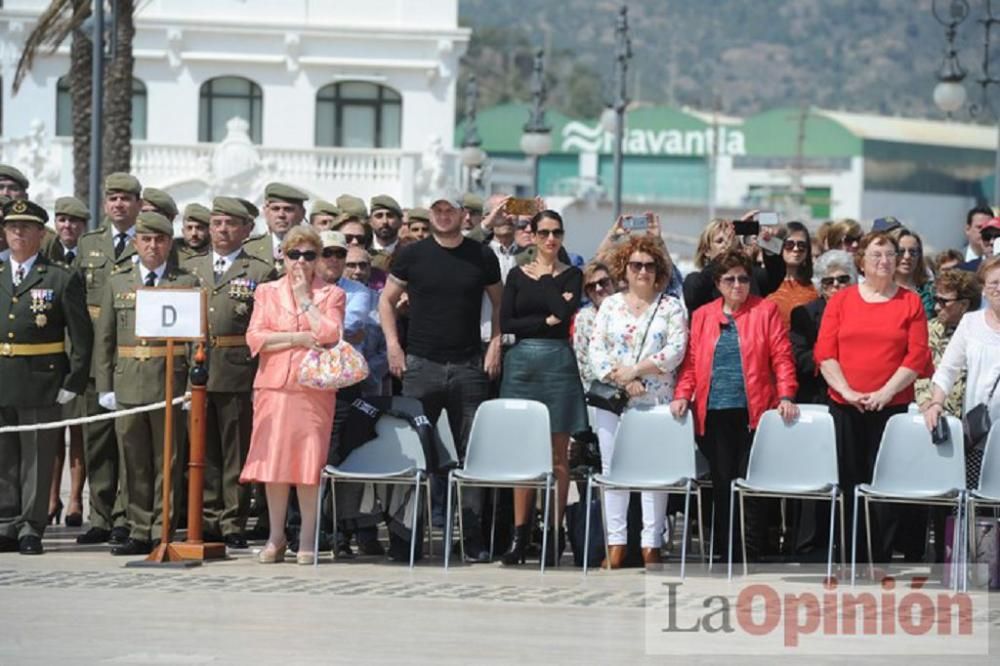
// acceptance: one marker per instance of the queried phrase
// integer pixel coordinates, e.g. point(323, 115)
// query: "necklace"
point(635, 304)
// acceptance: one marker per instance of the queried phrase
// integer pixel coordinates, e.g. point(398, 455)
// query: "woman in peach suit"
point(291, 423)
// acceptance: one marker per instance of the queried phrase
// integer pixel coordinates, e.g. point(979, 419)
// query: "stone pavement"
point(79, 605)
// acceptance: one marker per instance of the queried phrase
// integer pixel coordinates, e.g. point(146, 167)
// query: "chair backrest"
point(396, 448)
point(510, 438)
point(989, 475)
point(801, 454)
point(651, 446)
point(909, 461)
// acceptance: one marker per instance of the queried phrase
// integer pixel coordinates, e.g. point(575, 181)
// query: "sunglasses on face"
point(791, 245)
point(545, 233)
point(295, 255)
point(851, 240)
point(730, 280)
point(355, 238)
point(604, 284)
point(639, 266)
point(522, 224)
point(338, 252)
point(839, 279)
point(941, 302)
point(356, 265)
point(910, 252)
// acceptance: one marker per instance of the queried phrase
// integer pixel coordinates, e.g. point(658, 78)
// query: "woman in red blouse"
point(872, 346)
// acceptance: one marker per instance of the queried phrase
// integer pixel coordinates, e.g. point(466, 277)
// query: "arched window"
point(64, 108)
point(355, 114)
point(223, 98)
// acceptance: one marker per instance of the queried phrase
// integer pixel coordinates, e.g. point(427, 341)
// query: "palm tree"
point(61, 19)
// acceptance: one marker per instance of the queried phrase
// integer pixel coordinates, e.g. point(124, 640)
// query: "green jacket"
point(231, 369)
point(263, 248)
point(95, 260)
point(135, 381)
point(47, 307)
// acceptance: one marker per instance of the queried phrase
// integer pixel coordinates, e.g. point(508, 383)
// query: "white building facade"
point(333, 96)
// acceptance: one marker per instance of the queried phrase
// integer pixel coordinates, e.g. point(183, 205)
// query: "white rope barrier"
point(92, 419)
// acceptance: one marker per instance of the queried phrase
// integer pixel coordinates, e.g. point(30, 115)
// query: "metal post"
point(623, 53)
point(996, 169)
point(96, 114)
point(536, 128)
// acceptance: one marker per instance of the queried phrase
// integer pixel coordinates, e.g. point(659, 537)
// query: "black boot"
point(518, 546)
point(555, 547)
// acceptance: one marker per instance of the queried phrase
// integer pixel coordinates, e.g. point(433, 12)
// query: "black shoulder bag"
point(977, 421)
point(611, 397)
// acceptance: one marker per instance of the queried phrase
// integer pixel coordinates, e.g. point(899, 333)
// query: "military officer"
point(131, 372)
point(386, 219)
point(323, 215)
point(194, 229)
point(158, 201)
point(13, 183)
point(283, 209)
point(42, 305)
point(102, 251)
point(419, 222)
point(472, 207)
point(230, 275)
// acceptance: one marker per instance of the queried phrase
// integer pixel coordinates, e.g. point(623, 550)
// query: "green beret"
point(284, 192)
point(10, 173)
point(251, 209)
point(72, 207)
point(163, 202)
point(386, 202)
point(230, 206)
point(149, 222)
point(323, 207)
point(196, 212)
point(352, 206)
point(24, 211)
point(472, 202)
point(122, 182)
point(419, 215)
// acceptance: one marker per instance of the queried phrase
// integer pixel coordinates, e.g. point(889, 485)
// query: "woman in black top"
point(539, 300)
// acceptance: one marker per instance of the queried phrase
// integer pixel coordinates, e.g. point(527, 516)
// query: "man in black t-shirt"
point(444, 277)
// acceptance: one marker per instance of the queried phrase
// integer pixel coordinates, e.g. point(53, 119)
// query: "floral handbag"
point(334, 368)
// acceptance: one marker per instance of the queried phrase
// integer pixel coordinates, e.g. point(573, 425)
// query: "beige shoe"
point(271, 554)
point(305, 558)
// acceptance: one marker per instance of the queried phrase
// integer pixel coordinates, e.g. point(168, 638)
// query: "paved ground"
point(80, 605)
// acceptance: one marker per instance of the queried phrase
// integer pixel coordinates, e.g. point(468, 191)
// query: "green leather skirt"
point(546, 371)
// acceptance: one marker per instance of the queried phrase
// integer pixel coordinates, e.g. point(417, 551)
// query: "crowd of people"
point(452, 305)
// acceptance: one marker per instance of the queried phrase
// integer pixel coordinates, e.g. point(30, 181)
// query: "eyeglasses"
point(730, 280)
point(555, 233)
point(338, 252)
point(839, 279)
point(851, 240)
point(522, 224)
point(604, 284)
point(639, 266)
point(295, 255)
point(942, 302)
point(992, 286)
point(910, 252)
point(879, 257)
point(355, 238)
point(791, 245)
point(357, 265)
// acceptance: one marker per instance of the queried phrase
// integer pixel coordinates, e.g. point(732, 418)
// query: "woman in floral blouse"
point(597, 286)
point(621, 351)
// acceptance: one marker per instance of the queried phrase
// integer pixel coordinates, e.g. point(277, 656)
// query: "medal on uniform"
point(41, 320)
point(242, 309)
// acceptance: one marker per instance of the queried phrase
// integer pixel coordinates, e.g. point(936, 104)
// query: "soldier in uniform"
point(131, 372)
point(14, 185)
point(230, 275)
point(283, 209)
point(42, 305)
point(158, 201)
point(323, 215)
point(472, 206)
point(194, 229)
point(385, 220)
point(102, 251)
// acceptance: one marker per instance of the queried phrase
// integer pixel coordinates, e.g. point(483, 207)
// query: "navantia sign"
point(583, 138)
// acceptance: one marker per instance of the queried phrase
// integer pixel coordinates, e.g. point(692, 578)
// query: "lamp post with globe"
point(613, 117)
point(949, 93)
point(537, 137)
point(472, 154)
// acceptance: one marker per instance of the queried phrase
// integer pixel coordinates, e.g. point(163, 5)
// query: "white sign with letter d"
point(177, 314)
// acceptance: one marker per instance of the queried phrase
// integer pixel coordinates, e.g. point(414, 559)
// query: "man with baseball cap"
point(42, 312)
point(284, 208)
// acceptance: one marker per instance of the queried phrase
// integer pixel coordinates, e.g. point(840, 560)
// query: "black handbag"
point(610, 397)
point(977, 422)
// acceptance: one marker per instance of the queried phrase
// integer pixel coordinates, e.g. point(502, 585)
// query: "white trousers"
point(654, 504)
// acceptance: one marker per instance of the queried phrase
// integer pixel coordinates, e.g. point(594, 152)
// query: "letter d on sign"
point(169, 316)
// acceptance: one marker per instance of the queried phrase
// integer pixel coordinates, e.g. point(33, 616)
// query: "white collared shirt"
point(276, 245)
point(388, 249)
point(14, 265)
point(129, 233)
point(227, 261)
point(159, 271)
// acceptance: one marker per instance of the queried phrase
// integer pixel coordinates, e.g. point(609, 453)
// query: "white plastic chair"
point(510, 445)
point(796, 460)
point(653, 452)
point(987, 491)
point(911, 469)
point(394, 457)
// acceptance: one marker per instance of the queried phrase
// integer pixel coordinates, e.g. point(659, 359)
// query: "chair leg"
point(545, 519)
point(684, 532)
point(970, 519)
point(333, 513)
point(319, 512)
point(732, 507)
point(868, 536)
point(461, 520)
point(427, 525)
point(843, 531)
point(448, 517)
point(829, 554)
point(957, 551)
point(743, 533)
point(711, 542)
point(416, 518)
point(701, 527)
point(493, 523)
point(586, 526)
point(604, 524)
point(854, 538)
point(556, 524)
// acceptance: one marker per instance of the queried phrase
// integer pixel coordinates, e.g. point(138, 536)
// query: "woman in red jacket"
point(738, 365)
point(872, 346)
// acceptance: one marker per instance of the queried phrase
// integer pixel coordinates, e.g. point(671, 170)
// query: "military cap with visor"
point(283, 192)
point(22, 210)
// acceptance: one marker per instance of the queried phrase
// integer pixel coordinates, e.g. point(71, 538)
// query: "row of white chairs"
point(510, 446)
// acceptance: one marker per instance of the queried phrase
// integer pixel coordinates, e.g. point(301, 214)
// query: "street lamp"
point(949, 93)
point(613, 118)
point(537, 137)
point(472, 155)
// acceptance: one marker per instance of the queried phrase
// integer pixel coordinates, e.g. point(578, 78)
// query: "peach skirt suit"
point(291, 423)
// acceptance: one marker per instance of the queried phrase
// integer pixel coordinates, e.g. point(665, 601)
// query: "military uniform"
point(231, 371)
point(37, 317)
point(263, 248)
